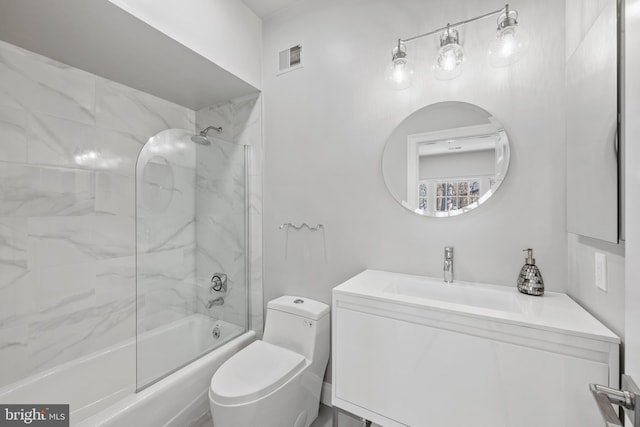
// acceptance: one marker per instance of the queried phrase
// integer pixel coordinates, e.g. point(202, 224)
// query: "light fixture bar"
point(504, 9)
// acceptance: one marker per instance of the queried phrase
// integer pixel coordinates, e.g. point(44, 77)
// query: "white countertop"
point(553, 311)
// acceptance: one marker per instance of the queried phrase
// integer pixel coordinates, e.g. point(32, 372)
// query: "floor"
point(325, 419)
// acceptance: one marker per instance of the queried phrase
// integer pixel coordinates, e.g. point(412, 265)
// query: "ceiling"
point(99, 37)
point(264, 8)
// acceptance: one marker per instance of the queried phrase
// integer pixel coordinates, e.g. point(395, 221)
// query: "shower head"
point(202, 139)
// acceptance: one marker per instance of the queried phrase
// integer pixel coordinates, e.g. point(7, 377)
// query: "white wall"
point(226, 32)
point(326, 126)
point(588, 22)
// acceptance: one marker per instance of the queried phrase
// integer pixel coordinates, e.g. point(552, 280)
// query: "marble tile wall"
point(221, 207)
point(69, 141)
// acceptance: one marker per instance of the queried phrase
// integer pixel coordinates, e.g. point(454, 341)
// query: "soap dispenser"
point(530, 279)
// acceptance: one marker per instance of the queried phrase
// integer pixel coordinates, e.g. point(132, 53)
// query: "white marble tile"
point(114, 194)
point(166, 199)
point(175, 299)
point(115, 280)
point(17, 306)
point(14, 354)
point(40, 84)
point(160, 270)
point(141, 115)
point(247, 124)
point(162, 234)
point(166, 301)
point(13, 250)
point(61, 240)
point(60, 339)
point(80, 239)
point(61, 142)
point(66, 337)
point(27, 191)
point(113, 236)
point(221, 160)
point(121, 149)
point(117, 323)
point(14, 133)
point(64, 289)
point(222, 244)
point(173, 146)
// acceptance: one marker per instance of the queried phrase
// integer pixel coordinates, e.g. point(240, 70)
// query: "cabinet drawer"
point(419, 375)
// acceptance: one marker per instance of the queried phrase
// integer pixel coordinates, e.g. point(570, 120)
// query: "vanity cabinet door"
point(420, 376)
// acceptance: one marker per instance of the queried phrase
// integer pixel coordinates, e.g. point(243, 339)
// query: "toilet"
point(276, 382)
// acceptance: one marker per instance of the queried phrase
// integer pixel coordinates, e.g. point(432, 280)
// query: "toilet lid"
point(254, 372)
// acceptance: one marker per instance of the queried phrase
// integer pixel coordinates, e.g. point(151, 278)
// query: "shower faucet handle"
point(218, 283)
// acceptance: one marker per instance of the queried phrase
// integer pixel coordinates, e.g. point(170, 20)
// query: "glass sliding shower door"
point(191, 225)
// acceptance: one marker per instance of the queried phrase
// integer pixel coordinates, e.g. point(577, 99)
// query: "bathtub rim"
point(134, 399)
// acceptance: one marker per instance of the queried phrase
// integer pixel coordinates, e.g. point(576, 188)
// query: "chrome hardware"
point(217, 301)
point(218, 283)
point(625, 398)
point(216, 332)
point(301, 226)
point(448, 264)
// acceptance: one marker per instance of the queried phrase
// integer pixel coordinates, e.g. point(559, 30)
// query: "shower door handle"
point(626, 398)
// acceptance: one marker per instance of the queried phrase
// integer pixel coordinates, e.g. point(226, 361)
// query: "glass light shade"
point(399, 73)
point(510, 44)
point(449, 63)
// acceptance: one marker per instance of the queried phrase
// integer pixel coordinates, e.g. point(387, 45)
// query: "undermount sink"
point(484, 296)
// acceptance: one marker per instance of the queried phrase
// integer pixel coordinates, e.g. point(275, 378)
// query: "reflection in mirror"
point(446, 159)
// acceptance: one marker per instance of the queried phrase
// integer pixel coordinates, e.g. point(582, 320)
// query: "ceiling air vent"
point(290, 59)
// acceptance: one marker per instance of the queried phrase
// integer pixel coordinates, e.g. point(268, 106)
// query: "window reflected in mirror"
point(446, 159)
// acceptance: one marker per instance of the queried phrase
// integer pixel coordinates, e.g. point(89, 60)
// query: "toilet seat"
point(254, 372)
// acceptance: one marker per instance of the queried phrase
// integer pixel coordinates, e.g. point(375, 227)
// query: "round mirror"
point(446, 159)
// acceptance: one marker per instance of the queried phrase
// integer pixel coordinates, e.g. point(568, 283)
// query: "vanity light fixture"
point(508, 47)
point(448, 64)
point(511, 40)
point(399, 72)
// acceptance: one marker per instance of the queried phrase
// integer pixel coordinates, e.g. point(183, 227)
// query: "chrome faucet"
point(448, 264)
point(217, 301)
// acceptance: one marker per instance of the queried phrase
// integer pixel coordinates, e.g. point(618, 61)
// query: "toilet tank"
point(298, 324)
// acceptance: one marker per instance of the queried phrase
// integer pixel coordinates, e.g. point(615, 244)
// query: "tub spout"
point(217, 301)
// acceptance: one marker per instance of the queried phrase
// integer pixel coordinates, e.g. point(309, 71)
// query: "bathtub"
point(100, 387)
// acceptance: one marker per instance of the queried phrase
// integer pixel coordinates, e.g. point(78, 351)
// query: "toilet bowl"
point(276, 382)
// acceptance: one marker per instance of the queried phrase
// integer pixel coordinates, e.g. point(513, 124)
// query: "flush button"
point(298, 301)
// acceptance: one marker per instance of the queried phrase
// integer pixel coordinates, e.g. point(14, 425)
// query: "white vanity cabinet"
point(412, 351)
